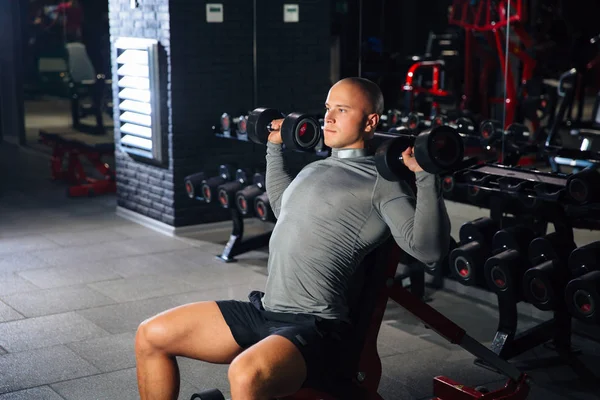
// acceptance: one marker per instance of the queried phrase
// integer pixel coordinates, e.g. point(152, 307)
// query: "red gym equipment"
point(69, 147)
point(488, 20)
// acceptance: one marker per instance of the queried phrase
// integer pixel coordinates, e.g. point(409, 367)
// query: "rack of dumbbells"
point(511, 254)
point(241, 192)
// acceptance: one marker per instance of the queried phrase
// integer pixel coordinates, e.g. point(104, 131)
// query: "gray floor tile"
point(25, 244)
point(140, 288)
point(56, 301)
point(402, 337)
point(391, 389)
point(2, 351)
point(120, 385)
point(126, 317)
point(150, 264)
point(87, 237)
point(223, 275)
point(204, 375)
point(155, 244)
point(557, 393)
point(34, 368)
point(8, 314)
point(11, 282)
point(42, 392)
point(47, 278)
point(417, 369)
point(134, 231)
point(19, 262)
point(46, 331)
point(72, 256)
point(109, 353)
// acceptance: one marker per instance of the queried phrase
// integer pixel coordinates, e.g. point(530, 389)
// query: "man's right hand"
point(275, 135)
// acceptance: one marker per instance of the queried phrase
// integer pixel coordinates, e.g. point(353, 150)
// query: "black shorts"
point(319, 340)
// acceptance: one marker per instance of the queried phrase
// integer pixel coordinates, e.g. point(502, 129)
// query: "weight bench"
point(359, 372)
point(72, 146)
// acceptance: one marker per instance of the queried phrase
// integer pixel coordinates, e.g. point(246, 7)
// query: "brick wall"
point(210, 70)
point(11, 72)
point(144, 188)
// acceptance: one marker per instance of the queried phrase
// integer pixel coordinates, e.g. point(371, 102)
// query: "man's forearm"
point(277, 177)
point(431, 223)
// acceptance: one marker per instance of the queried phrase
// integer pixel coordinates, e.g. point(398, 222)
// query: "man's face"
point(347, 120)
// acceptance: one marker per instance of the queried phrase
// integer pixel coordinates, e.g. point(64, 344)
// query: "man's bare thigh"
point(196, 330)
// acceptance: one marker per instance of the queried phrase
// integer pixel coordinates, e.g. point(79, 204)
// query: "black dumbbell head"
point(503, 271)
point(439, 149)
point(481, 230)
point(192, 184)
point(582, 296)
point(258, 123)
point(300, 131)
point(584, 186)
point(490, 131)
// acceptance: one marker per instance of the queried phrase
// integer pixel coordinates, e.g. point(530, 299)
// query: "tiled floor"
point(76, 280)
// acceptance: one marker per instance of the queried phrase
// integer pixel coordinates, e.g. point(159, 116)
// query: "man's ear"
point(371, 123)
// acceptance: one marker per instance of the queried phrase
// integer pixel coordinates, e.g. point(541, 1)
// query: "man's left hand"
point(410, 161)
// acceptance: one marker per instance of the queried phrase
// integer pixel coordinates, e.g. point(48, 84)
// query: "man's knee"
point(152, 336)
point(247, 374)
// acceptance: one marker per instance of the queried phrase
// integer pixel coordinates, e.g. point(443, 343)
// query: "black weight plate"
point(300, 131)
point(211, 394)
point(439, 149)
point(388, 158)
point(258, 121)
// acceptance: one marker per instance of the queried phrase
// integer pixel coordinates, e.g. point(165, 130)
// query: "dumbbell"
point(584, 186)
point(244, 198)
point(392, 118)
point(491, 131)
point(211, 394)
point(298, 131)
point(417, 121)
point(463, 125)
point(224, 125)
point(437, 150)
point(544, 284)
point(241, 124)
point(504, 270)
point(193, 183)
point(227, 191)
point(517, 133)
point(439, 120)
point(262, 208)
point(467, 260)
point(582, 294)
point(448, 184)
point(208, 187)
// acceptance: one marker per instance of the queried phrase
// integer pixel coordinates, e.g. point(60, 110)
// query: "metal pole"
point(254, 59)
point(360, 7)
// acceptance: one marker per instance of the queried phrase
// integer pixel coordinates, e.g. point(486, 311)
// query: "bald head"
point(370, 90)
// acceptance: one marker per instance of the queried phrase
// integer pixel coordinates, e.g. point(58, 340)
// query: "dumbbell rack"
point(527, 193)
point(548, 204)
point(236, 244)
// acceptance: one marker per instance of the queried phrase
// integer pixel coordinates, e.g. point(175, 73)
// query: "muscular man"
point(333, 213)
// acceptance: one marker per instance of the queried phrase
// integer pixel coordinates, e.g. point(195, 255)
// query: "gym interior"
point(132, 155)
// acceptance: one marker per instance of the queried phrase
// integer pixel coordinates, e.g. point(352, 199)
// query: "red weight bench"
point(72, 146)
point(362, 369)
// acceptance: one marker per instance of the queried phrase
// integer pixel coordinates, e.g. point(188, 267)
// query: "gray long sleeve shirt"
point(332, 214)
